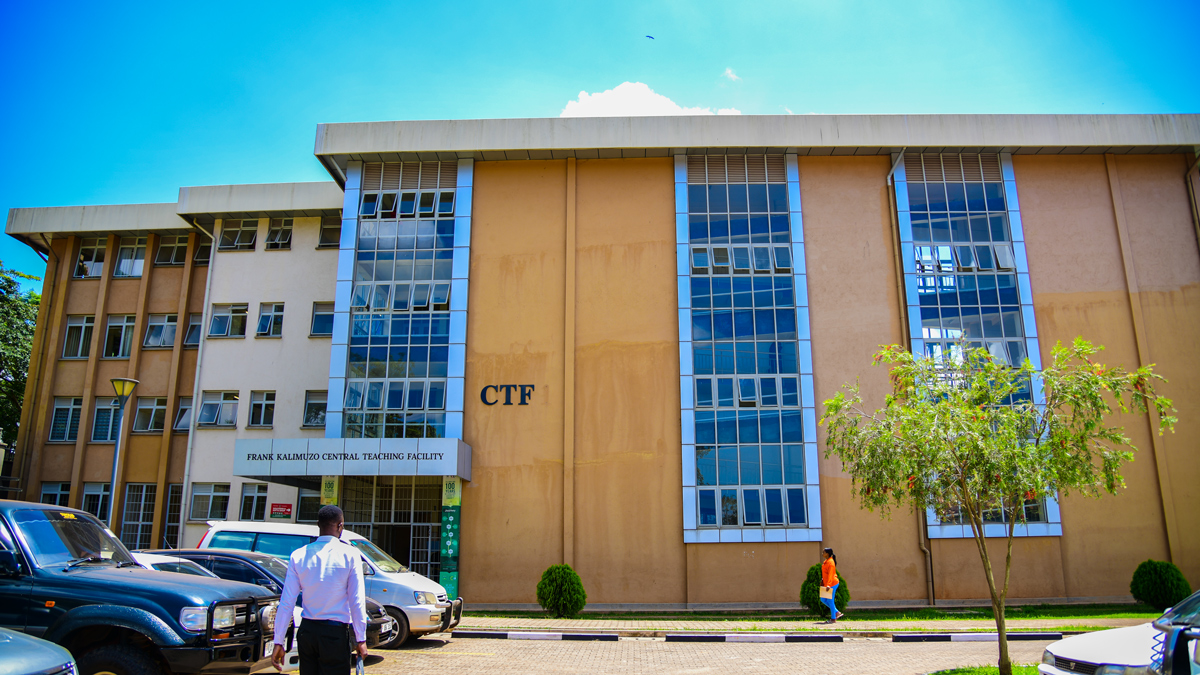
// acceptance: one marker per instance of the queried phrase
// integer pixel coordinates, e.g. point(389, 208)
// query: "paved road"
point(634, 656)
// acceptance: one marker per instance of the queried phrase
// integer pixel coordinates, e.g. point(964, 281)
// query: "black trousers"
point(324, 647)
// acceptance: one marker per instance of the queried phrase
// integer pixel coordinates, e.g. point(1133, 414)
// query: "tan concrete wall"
point(512, 507)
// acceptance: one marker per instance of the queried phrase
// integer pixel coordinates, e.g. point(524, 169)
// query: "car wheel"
point(118, 660)
point(402, 634)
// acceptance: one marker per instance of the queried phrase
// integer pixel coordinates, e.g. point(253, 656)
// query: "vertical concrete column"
point(1166, 495)
point(569, 373)
point(341, 302)
point(43, 366)
point(89, 379)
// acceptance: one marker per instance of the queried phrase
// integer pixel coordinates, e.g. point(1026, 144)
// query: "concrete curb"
point(971, 637)
point(531, 635)
point(669, 637)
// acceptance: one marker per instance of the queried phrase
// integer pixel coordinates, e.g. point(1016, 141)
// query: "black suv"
point(64, 577)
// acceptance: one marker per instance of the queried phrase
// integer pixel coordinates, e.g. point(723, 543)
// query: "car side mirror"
point(367, 571)
point(261, 581)
point(9, 566)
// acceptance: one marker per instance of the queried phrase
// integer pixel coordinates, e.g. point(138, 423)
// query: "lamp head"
point(123, 386)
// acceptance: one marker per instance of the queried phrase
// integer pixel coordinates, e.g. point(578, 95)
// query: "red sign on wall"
point(281, 510)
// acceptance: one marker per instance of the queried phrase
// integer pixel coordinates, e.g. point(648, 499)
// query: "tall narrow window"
point(96, 499)
point(131, 256)
point(254, 501)
point(203, 251)
point(172, 250)
point(238, 235)
point(118, 339)
point(78, 342)
point(64, 425)
point(183, 417)
point(228, 321)
point(192, 337)
point(138, 515)
point(218, 409)
point(270, 319)
point(160, 331)
point(331, 232)
point(91, 258)
point(262, 408)
point(314, 409)
point(151, 414)
point(322, 319)
point(105, 425)
point(279, 234)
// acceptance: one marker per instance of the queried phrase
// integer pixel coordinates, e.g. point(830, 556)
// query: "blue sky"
point(115, 105)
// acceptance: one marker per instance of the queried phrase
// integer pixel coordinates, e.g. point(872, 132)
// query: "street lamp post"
point(123, 386)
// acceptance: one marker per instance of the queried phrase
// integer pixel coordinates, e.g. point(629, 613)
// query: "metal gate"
point(400, 514)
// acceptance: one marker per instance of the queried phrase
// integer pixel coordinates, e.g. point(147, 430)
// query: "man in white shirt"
point(329, 574)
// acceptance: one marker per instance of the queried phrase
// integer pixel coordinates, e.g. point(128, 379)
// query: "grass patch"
point(1068, 614)
point(989, 670)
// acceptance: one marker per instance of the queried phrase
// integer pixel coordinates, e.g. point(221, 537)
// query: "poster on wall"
point(330, 487)
point(281, 510)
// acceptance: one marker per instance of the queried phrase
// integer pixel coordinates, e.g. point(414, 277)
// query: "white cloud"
point(789, 110)
point(731, 75)
point(632, 99)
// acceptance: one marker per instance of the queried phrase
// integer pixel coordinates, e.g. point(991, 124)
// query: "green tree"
point(18, 315)
point(961, 436)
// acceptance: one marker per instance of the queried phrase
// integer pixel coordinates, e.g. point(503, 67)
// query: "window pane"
point(796, 506)
point(706, 465)
point(752, 507)
point(729, 507)
point(708, 507)
point(774, 507)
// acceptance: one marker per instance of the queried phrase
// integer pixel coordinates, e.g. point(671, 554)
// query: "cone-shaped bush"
point(560, 591)
point(1159, 584)
point(810, 592)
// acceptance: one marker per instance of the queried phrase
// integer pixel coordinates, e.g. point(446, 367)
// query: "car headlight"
point(425, 597)
point(1047, 657)
point(194, 619)
point(266, 617)
point(224, 617)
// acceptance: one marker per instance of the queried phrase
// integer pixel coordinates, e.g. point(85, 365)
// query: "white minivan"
point(418, 604)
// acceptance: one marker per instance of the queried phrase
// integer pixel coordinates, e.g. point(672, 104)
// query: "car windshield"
point(276, 567)
point(383, 561)
point(184, 567)
point(57, 537)
point(1187, 611)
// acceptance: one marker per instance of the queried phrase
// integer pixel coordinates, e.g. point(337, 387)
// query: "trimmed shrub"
point(1159, 584)
point(560, 591)
point(810, 592)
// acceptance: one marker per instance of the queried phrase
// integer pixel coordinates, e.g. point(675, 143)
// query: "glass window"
point(238, 235)
point(192, 337)
point(131, 256)
point(254, 501)
point(218, 409)
point(279, 234)
point(262, 408)
point(203, 251)
point(238, 541)
point(228, 321)
point(314, 408)
point(280, 545)
point(78, 341)
point(308, 503)
point(331, 232)
point(151, 414)
point(96, 499)
point(137, 518)
point(118, 340)
point(56, 494)
point(183, 417)
point(322, 319)
point(64, 425)
point(106, 423)
point(91, 258)
point(172, 250)
point(160, 331)
point(210, 501)
point(270, 320)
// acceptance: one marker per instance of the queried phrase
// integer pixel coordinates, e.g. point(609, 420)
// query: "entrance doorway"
point(400, 514)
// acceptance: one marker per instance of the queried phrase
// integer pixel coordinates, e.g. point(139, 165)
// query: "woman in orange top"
point(829, 580)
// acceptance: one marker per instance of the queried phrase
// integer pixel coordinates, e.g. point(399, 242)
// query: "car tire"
point(118, 660)
point(402, 634)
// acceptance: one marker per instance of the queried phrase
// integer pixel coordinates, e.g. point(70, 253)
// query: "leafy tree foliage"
point(560, 591)
point(962, 436)
point(18, 314)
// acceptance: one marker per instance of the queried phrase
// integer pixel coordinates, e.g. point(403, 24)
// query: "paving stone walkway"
point(638, 656)
point(710, 625)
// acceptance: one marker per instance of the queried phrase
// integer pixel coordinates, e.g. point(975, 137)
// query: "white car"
point(169, 563)
point(418, 604)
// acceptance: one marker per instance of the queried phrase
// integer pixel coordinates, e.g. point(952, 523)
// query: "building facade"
point(505, 344)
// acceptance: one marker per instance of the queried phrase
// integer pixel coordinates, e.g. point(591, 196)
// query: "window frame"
point(224, 401)
point(242, 237)
point(113, 423)
point(310, 400)
point(131, 250)
point(257, 494)
point(279, 235)
point(126, 324)
point(162, 322)
point(195, 319)
point(262, 410)
point(103, 502)
point(184, 404)
point(74, 408)
point(330, 224)
point(321, 309)
point(157, 407)
point(60, 490)
point(230, 311)
point(174, 243)
point(211, 491)
point(85, 325)
point(272, 313)
point(91, 265)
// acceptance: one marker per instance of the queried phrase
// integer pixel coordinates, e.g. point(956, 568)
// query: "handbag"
point(826, 592)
